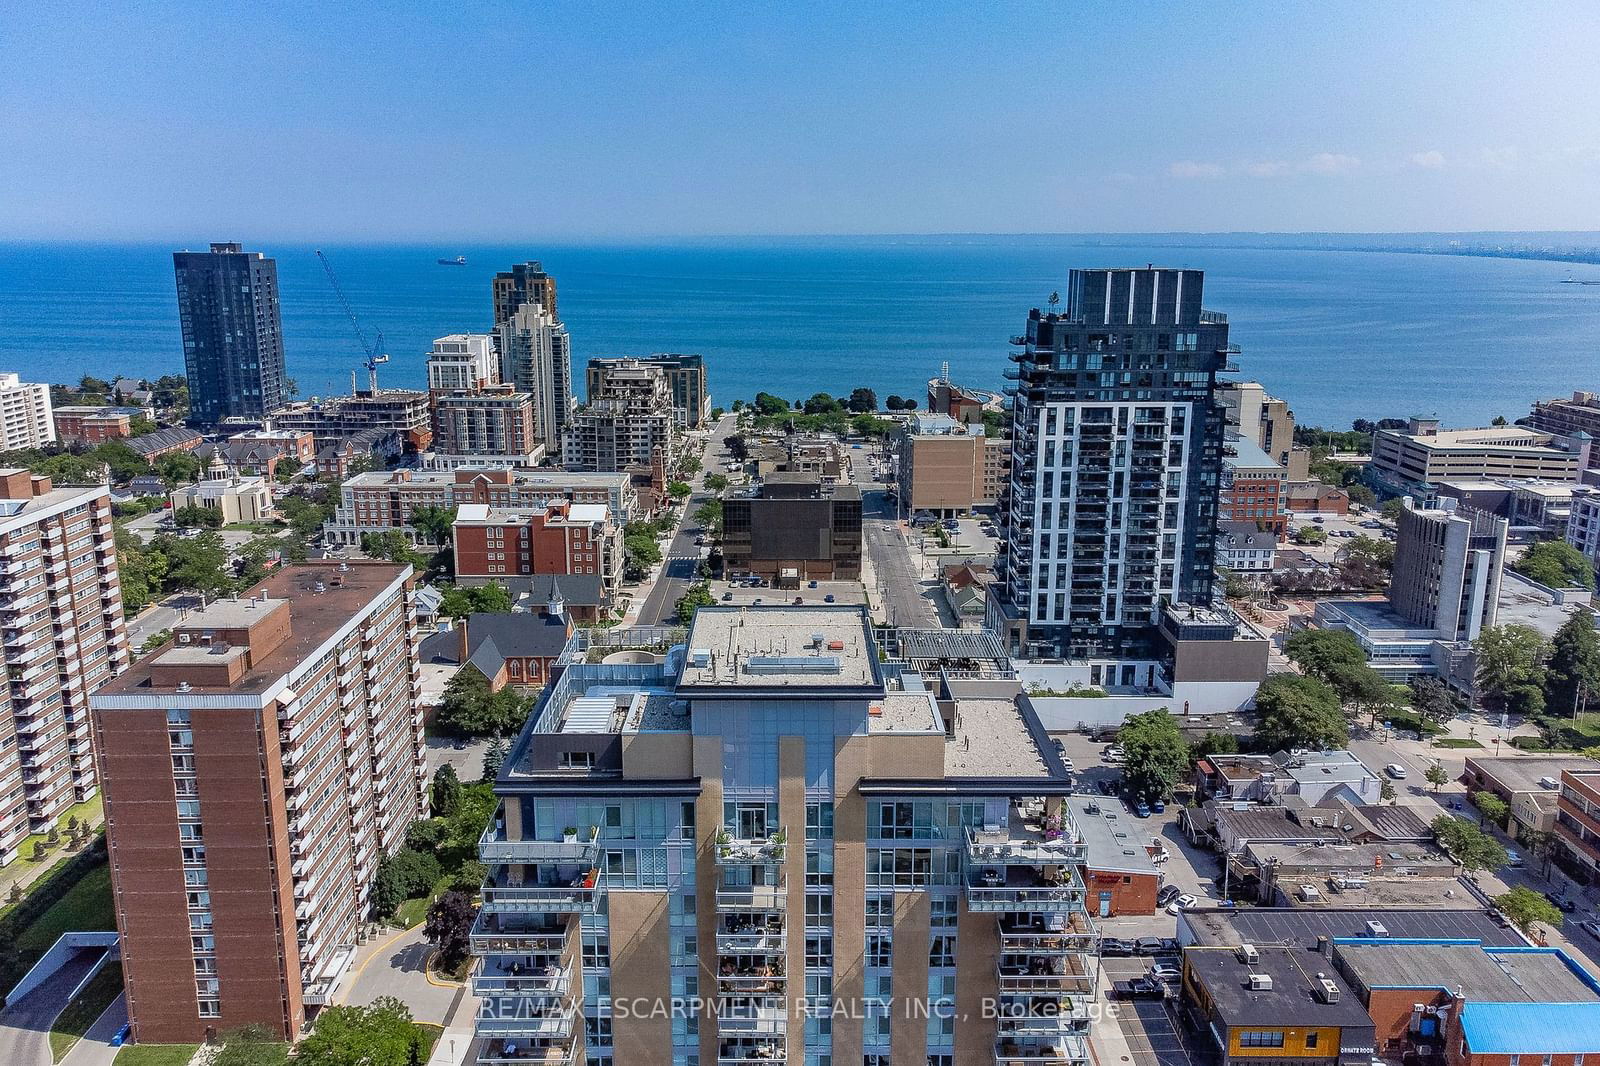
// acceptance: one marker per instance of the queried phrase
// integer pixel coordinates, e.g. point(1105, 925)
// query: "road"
point(95, 1048)
point(682, 557)
point(25, 1026)
point(907, 600)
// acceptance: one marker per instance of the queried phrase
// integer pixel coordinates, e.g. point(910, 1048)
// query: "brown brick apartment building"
point(61, 620)
point(1577, 825)
point(794, 528)
point(512, 546)
point(949, 467)
point(255, 771)
point(95, 425)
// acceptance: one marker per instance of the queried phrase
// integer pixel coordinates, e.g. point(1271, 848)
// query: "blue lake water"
point(1341, 335)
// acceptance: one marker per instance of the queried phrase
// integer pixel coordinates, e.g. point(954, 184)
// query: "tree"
point(434, 524)
point(768, 404)
point(376, 1035)
point(737, 447)
point(716, 482)
point(449, 928)
point(679, 490)
point(1391, 509)
point(407, 874)
point(709, 515)
point(197, 517)
point(1359, 493)
point(445, 794)
point(1511, 670)
point(494, 756)
point(1214, 744)
point(143, 573)
point(196, 564)
point(862, 401)
point(122, 462)
point(639, 553)
point(1436, 775)
point(1526, 908)
point(1361, 686)
point(894, 402)
point(697, 596)
point(1572, 674)
point(1491, 807)
point(1233, 586)
point(1386, 791)
point(391, 544)
point(1468, 844)
point(1367, 561)
point(1499, 420)
point(1156, 756)
point(1557, 564)
point(1318, 651)
point(1298, 712)
point(253, 1045)
point(286, 468)
point(177, 468)
point(469, 709)
point(1310, 535)
point(1431, 699)
point(459, 601)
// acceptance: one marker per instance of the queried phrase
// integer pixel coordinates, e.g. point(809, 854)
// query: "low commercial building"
point(965, 587)
point(510, 547)
point(1213, 659)
point(256, 771)
point(1120, 873)
point(1316, 776)
point(1528, 784)
point(947, 467)
point(1306, 874)
point(95, 425)
point(236, 499)
point(1253, 487)
point(382, 500)
point(1247, 551)
point(25, 416)
point(792, 528)
point(1274, 1003)
point(1577, 826)
point(1235, 778)
point(1309, 928)
point(1413, 460)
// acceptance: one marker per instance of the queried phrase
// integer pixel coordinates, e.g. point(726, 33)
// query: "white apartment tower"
point(536, 357)
point(25, 416)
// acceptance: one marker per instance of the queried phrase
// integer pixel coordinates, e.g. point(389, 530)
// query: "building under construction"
point(337, 417)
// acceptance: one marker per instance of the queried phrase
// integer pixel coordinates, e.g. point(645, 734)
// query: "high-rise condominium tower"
point(1117, 442)
point(525, 283)
point(232, 335)
point(536, 358)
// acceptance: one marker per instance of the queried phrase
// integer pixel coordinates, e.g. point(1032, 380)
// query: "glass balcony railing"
point(503, 893)
point(752, 898)
point(534, 978)
point(513, 1017)
point(736, 851)
point(1022, 842)
point(520, 1053)
point(1058, 1051)
point(494, 846)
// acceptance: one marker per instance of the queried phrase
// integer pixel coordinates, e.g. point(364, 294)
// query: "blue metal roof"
point(1531, 1028)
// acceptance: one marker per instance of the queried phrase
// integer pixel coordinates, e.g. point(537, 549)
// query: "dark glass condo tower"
point(232, 333)
point(1116, 458)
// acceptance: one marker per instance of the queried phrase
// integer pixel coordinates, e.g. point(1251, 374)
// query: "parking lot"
point(740, 593)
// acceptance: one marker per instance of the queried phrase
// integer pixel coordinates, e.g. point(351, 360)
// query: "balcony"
point(742, 935)
point(1041, 1017)
point(752, 898)
point(756, 1016)
point(1045, 935)
point(522, 977)
point(742, 1055)
point(1023, 890)
point(492, 936)
point(1026, 840)
point(1043, 976)
point(740, 852)
point(1062, 1051)
point(516, 1017)
point(573, 894)
point(494, 846)
point(515, 1053)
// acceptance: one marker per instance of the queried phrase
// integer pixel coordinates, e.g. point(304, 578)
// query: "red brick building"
point(512, 546)
point(1313, 497)
point(95, 425)
point(255, 771)
point(1577, 825)
point(1253, 487)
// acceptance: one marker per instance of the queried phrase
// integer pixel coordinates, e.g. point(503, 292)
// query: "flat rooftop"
point(1521, 773)
point(992, 739)
point(906, 712)
point(1258, 925)
point(1290, 1001)
point(1483, 437)
point(1115, 839)
point(1382, 859)
point(22, 511)
point(781, 647)
point(323, 598)
point(1487, 976)
point(1407, 893)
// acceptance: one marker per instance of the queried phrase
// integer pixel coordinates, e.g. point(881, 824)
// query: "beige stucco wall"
point(640, 957)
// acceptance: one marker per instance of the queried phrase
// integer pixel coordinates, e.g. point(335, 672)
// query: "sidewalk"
point(25, 871)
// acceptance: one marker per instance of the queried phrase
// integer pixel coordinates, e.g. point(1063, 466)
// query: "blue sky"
point(483, 121)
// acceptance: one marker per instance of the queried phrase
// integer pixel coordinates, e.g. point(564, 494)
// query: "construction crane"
point(374, 352)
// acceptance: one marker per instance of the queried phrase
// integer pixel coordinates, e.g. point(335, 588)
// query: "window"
point(1267, 1038)
point(577, 760)
point(1311, 1040)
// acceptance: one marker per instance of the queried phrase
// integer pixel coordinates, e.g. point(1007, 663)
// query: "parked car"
point(1108, 788)
point(1141, 809)
point(1163, 971)
point(727, 595)
point(1166, 894)
point(1561, 902)
point(1148, 945)
point(1592, 927)
point(119, 1037)
point(1138, 988)
point(1114, 753)
point(812, 585)
point(1183, 902)
point(1513, 858)
point(1158, 805)
point(828, 598)
point(1112, 947)
point(1396, 771)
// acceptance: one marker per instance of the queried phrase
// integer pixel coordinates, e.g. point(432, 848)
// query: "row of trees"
point(1521, 672)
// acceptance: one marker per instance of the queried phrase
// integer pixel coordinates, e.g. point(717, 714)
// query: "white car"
point(1591, 927)
point(1396, 771)
point(1163, 972)
point(1513, 858)
point(1183, 902)
point(1115, 753)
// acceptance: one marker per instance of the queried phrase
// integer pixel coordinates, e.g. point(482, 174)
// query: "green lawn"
point(256, 527)
point(156, 1054)
point(430, 1037)
point(1456, 742)
point(87, 906)
point(87, 810)
point(82, 1012)
point(1562, 733)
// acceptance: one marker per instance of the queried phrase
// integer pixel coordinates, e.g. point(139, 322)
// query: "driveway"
point(1153, 1034)
point(95, 1048)
point(395, 966)
point(25, 1025)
